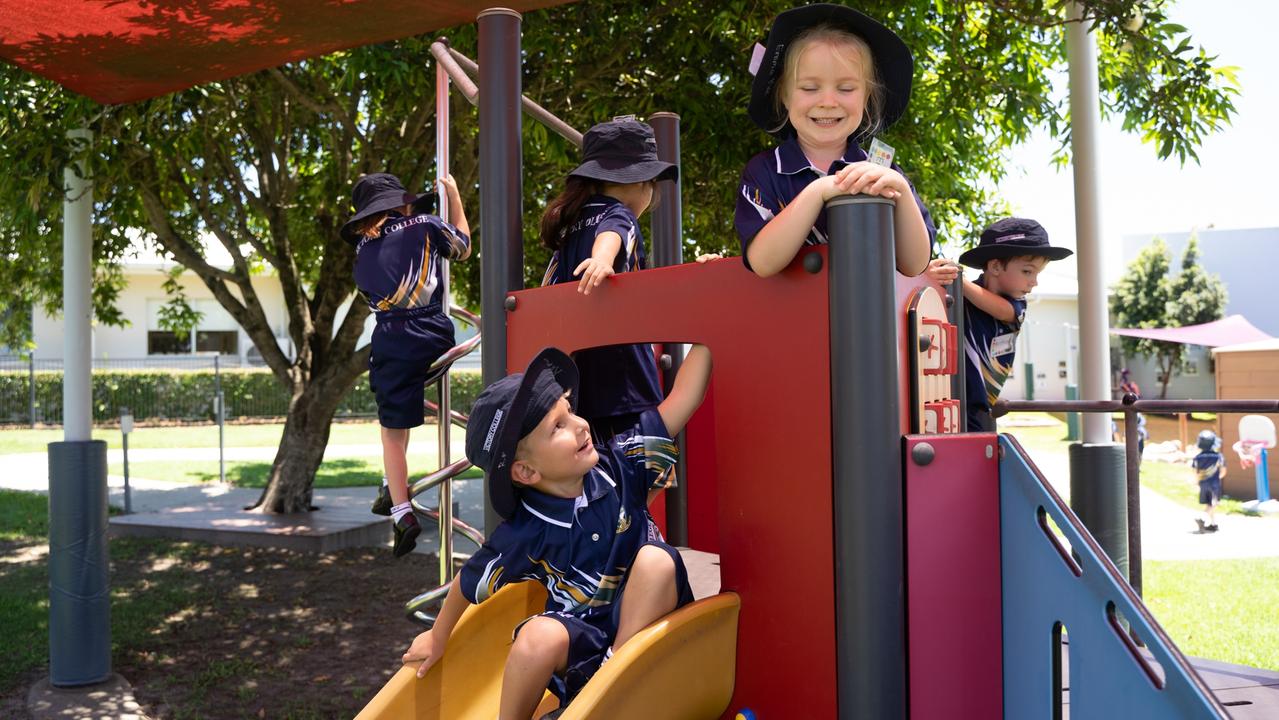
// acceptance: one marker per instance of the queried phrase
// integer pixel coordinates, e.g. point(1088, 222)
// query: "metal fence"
point(181, 388)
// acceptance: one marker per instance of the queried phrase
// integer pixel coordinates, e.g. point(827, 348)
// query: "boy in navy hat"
point(1210, 469)
point(1011, 254)
point(399, 248)
point(575, 520)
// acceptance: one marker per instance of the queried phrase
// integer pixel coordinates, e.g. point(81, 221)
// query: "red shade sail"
point(118, 51)
point(1227, 331)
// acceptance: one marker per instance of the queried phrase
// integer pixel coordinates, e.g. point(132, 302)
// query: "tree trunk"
point(1166, 375)
point(306, 433)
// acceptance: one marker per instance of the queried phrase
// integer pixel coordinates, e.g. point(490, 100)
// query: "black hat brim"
point(501, 488)
point(426, 202)
point(628, 172)
point(978, 257)
point(894, 63)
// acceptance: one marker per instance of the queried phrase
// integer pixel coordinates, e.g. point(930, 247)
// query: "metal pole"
point(31, 387)
point(668, 233)
point(501, 199)
point(870, 622)
point(79, 583)
point(444, 426)
point(1094, 321)
point(221, 412)
point(1132, 471)
point(959, 381)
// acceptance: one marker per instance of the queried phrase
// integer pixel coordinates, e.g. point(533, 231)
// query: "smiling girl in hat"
point(398, 251)
point(828, 79)
point(593, 229)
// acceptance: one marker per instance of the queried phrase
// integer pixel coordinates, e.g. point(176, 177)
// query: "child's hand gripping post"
point(942, 271)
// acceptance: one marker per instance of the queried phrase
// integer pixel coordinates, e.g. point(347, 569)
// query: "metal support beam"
point(870, 621)
point(668, 232)
point(501, 199)
point(1094, 319)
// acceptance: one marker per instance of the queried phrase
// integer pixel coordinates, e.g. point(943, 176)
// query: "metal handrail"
point(458, 66)
point(1130, 405)
point(460, 419)
point(448, 472)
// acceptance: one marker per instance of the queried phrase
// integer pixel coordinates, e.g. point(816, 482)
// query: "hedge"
point(188, 395)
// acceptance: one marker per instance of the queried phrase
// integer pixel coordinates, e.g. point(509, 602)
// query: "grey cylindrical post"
point(668, 233)
point(501, 202)
point(217, 385)
point(870, 622)
point(1098, 495)
point(1132, 491)
point(79, 597)
point(77, 300)
point(31, 388)
point(959, 381)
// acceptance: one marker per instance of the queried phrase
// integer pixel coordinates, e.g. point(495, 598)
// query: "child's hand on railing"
point(706, 257)
point(942, 271)
point(593, 272)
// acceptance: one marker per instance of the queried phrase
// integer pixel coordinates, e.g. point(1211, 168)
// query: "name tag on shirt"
point(1003, 344)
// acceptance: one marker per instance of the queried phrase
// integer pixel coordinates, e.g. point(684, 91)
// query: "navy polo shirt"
point(581, 548)
point(1208, 466)
point(618, 379)
point(775, 177)
point(991, 346)
point(400, 275)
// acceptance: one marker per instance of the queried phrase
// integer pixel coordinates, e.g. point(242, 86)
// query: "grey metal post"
point(444, 427)
point(501, 186)
point(959, 381)
point(79, 592)
point(1094, 319)
point(126, 427)
point(221, 408)
point(668, 233)
point(1132, 485)
point(31, 387)
point(870, 622)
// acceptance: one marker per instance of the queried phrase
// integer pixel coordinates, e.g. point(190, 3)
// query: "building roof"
point(1258, 346)
point(128, 50)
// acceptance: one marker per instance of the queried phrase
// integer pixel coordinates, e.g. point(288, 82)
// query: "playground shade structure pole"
point(501, 196)
point(79, 587)
point(668, 231)
point(445, 426)
point(870, 623)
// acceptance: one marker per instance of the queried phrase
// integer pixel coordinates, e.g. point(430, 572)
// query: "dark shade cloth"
point(773, 178)
point(894, 65)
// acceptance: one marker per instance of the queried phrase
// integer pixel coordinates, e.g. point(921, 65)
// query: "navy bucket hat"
point(1009, 238)
point(380, 192)
point(508, 410)
point(894, 65)
point(622, 151)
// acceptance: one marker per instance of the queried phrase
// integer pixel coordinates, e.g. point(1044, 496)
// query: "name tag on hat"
point(623, 118)
point(881, 153)
point(757, 58)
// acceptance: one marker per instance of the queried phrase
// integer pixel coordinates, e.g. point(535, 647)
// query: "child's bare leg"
point(395, 446)
point(650, 592)
point(539, 651)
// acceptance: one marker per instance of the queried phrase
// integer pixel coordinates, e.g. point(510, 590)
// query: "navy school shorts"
point(590, 637)
point(1209, 492)
point(399, 365)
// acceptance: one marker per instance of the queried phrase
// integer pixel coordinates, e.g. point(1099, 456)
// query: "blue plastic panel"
point(1044, 584)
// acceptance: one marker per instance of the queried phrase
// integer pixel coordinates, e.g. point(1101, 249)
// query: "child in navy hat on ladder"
point(827, 79)
point(593, 229)
point(398, 251)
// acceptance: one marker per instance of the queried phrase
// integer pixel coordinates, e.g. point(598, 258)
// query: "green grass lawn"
point(1218, 609)
point(340, 472)
point(268, 435)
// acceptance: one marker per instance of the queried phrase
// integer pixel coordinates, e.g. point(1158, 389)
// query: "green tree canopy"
point(262, 165)
point(1149, 296)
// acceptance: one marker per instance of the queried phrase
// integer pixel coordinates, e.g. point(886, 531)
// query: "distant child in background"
point(1011, 254)
point(398, 252)
point(1210, 469)
point(593, 229)
point(828, 79)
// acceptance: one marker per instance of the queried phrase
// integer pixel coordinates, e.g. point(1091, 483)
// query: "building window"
point(163, 342)
point(225, 342)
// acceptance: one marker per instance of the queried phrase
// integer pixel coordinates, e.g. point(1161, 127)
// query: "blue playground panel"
point(1047, 586)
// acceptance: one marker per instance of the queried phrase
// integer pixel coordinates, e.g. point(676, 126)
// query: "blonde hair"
point(873, 114)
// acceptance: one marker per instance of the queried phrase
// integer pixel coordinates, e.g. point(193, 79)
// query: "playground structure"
point(1256, 439)
point(868, 553)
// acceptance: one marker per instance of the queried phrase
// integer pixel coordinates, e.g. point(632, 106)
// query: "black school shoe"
point(382, 504)
point(406, 531)
point(1212, 528)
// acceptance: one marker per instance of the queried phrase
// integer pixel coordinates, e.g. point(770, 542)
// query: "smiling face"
point(555, 455)
point(1015, 277)
point(827, 88)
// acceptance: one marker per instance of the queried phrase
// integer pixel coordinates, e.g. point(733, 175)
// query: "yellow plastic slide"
point(681, 667)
